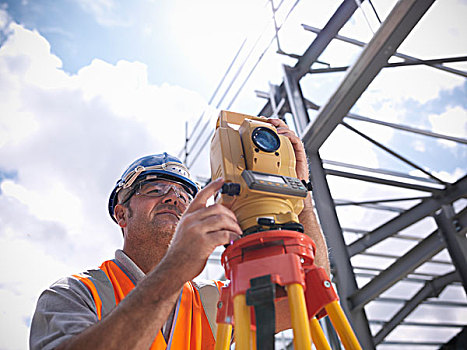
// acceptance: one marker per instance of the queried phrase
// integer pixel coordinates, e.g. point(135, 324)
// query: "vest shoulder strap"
point(209, 295)
point(104, 288)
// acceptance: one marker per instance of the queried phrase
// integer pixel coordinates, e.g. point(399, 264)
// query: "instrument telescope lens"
point(265, 139)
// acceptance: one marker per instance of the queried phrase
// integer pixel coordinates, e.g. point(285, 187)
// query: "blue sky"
point(159, 33)
point(88, 86)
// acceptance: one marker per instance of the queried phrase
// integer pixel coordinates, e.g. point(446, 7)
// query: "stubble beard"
point(152, 240)
point(164, 226)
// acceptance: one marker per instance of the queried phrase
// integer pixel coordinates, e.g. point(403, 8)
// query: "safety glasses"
point(159, 189)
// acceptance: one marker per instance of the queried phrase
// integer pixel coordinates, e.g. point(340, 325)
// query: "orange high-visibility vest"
point(190, 329)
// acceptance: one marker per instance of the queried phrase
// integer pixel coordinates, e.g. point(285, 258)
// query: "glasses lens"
point(152, 189)
point(157, 189)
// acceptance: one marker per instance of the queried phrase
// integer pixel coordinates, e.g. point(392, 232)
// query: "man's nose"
point(171, 196)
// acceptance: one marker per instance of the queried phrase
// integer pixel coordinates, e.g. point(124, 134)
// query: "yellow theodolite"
point(258, 166)
point(262, 189)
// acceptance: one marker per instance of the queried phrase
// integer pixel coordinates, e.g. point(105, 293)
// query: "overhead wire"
point(262, 55)
point(218, 88)
point(214, 94)
point(359, 4)
point(206, 140)
point(241, 66)
point(374, 10)
point(237, 74)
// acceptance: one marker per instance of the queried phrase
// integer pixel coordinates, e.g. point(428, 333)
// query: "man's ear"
point(121, 215)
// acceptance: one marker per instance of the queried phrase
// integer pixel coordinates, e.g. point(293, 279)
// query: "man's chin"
point(167, 216)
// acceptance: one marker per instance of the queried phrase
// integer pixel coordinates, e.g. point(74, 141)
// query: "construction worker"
point(147, 297)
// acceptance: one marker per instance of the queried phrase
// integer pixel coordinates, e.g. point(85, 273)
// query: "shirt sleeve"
point(65, 309)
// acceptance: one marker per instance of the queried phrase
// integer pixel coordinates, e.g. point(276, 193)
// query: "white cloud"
point(447, 36)
point(418, 83)
point(15, 330)
point(27, 55)
point(453, 122)
point(68, 138)
point(450, 177)
point(26, 270)
point(48, 205)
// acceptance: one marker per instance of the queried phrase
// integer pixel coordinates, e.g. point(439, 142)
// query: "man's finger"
point(223, 237)
point(213, 210)
point(276, 122)
point(202, 196)
point(219, 223)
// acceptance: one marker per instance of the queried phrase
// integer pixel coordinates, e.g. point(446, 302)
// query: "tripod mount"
point(265, 268)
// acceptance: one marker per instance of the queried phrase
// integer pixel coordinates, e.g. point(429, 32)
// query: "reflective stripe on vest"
point(101, 289)
point(191, 328)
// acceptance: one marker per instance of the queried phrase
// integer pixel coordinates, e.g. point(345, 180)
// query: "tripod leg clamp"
point(261, 296)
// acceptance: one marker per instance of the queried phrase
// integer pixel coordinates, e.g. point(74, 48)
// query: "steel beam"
point(406, 279)
point(421, 276)
point(332, 27)
point(431, 289)
point(275, 100)
point(395, 257)
point(392, 65)
point(315, 107)
point(296, 101)
point(437, 302)
point(393, 31)
point(375, 206)
point(378, 201)
point(455, 240)
point(412, 344)
point(339, 257)
point(397, 54)
point(392, 153)
point(384, 172)
point(327, 34)
point(407, 128)
point(382, 181)
point(423, 324)
point(418, 255)
point(396, 236)
point(416, 213)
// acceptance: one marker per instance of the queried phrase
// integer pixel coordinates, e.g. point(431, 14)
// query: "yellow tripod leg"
point(317, 335)
point(253, 340)
point(342, 326)
point(299, 317)
point(224, 332)
point(242, 322)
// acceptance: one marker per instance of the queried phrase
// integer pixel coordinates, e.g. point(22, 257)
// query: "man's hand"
point(300, 155)
point(201, 229)
point(307, 216)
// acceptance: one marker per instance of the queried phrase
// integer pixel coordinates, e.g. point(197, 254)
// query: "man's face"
point(154, 211)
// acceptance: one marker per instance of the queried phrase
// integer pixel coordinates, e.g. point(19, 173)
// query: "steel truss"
point(361, 286)
point(440, 196)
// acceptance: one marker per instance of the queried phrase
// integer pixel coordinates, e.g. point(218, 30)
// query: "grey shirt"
point(67, 308)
